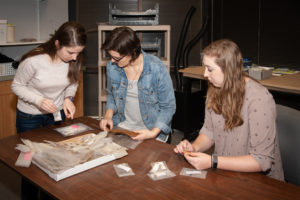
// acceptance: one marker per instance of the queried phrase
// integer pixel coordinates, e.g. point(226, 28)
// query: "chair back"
point(288, 127)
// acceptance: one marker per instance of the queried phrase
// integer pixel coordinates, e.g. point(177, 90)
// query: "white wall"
point(52, 14)
point(32, 19)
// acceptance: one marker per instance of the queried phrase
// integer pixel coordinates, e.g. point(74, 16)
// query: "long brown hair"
point(227, 100)
point(68, 34)
point(124, 41)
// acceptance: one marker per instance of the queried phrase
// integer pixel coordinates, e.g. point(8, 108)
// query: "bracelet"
point(214, 161)
point(71, 98)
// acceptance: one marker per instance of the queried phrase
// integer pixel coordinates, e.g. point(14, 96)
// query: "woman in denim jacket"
point(140, 91)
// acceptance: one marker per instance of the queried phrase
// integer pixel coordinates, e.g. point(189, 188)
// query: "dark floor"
point(10, 183)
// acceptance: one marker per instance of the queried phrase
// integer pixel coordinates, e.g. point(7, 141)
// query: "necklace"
point(130, 83)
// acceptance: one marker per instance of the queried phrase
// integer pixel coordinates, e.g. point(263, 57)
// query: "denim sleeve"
point(110, 103)
point(166, 100)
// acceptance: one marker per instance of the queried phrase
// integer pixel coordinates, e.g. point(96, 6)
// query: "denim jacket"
point(155, 93)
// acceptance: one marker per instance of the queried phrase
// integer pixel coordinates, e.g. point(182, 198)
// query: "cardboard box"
point(260, 73)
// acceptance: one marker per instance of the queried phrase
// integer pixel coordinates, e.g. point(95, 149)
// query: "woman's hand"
point(184, 146)
point(199, 160)
point(145, 134)
point(106, 124)
point(48, 105)
point(69, 108)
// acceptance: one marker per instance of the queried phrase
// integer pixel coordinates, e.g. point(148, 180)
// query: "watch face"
point(71, 98)
point(214, 161)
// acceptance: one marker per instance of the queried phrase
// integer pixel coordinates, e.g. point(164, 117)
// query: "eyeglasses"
point(117, 59)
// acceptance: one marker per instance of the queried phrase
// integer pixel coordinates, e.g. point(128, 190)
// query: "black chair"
point(288, 127)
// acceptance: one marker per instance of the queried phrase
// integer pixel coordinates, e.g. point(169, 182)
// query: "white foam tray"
point(78, 168)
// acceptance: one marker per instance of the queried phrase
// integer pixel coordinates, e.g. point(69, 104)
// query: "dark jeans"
point(26, 122)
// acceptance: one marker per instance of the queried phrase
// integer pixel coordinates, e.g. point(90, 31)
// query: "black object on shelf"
point(189, 115)
point(5, 59)
point(178, 54)
point(194, 41)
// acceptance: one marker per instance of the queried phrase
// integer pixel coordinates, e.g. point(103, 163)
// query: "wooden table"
point(285, 83)
point(102, 182)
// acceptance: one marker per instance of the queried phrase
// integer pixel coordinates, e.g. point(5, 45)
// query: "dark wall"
point(172, 12)
point(266, 31)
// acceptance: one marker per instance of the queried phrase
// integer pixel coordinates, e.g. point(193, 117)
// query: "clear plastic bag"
point(160, 171)
point(73, 129)
point(24, 159)
point(124, 140)
point(123, 169)
point(193, 173)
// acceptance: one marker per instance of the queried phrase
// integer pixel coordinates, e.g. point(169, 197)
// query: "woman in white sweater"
point(46, 82)
point(47, 78)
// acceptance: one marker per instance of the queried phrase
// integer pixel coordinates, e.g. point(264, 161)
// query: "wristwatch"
point(71, 98)
point(214, 161)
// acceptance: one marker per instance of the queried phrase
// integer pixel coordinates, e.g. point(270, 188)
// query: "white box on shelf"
point(260, 73)
point(3, 30)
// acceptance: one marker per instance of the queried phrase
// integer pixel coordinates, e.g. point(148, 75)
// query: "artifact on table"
point(124, 131)
point(66, 158)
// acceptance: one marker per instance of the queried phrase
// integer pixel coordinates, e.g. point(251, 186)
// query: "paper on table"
point(73, 129)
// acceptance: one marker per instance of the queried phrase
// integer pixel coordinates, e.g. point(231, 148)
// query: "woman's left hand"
point(69, 108)
point(144, 134)
point(199, 160)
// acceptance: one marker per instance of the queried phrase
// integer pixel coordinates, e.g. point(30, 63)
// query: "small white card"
point(73, 129)
point(57, 116)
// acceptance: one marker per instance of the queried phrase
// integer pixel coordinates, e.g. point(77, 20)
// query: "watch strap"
point(214, 161)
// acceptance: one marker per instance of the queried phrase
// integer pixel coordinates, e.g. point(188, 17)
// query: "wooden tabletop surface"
point(285, 83)
point(103, 183)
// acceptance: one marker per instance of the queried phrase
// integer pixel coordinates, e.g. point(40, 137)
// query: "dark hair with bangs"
point(124, 41)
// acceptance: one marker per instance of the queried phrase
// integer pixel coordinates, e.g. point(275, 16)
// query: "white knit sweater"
point(38, 77)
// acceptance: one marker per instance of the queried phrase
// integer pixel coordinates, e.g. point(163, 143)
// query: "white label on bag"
point(57, 116)
point(193, 172)
point(127, 169)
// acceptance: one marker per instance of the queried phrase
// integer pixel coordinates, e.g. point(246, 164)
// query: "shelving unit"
point(102, 60)
point(21, 43)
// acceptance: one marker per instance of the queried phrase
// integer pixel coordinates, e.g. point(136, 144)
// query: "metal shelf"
point(21, 43)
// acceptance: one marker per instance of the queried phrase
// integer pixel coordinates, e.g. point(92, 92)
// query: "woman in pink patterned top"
point(240, 118)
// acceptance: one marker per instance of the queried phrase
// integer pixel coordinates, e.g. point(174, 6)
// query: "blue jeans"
point(26, 122)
